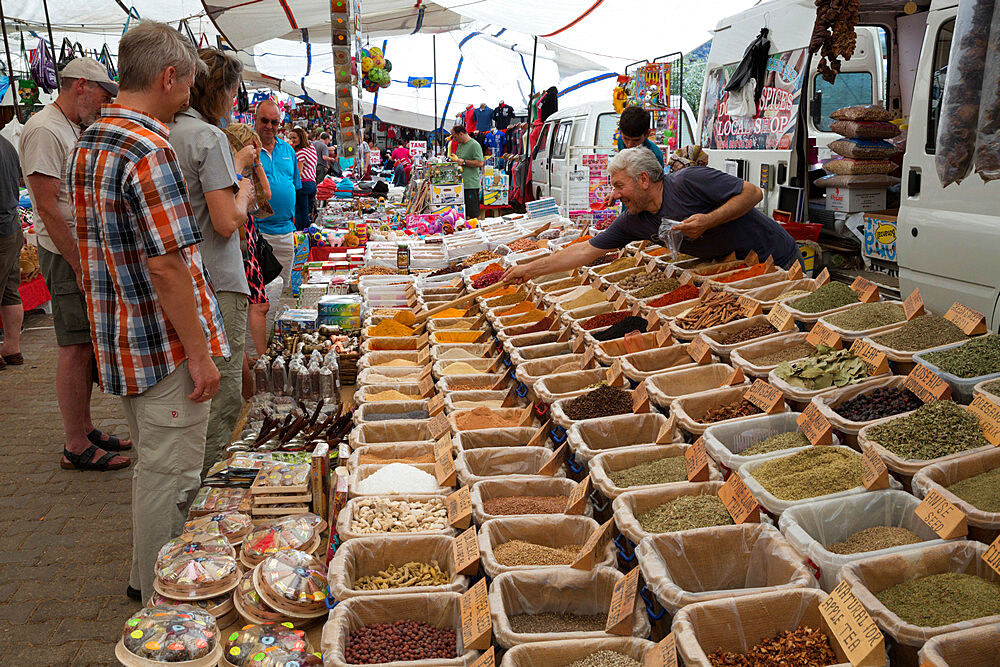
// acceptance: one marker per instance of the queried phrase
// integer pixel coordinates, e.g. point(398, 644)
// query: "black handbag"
point(270, 267)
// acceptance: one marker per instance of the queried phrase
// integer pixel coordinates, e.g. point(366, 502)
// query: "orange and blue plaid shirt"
point(131, 204)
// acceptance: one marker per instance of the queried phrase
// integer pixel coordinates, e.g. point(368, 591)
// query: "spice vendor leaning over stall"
point(716, 213)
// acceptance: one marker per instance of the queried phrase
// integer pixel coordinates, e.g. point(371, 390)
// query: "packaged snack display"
point(292, 532)
point(269, 645)
point(161, 634)
point(234, 526)
point(293, 582)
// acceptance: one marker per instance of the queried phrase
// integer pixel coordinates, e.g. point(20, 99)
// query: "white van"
point(946, 239)
point(573, 132)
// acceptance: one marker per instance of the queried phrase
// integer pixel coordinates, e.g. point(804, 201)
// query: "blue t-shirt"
point(282, 173)
point(495, 141)
point(483, 118)
point(645, 144)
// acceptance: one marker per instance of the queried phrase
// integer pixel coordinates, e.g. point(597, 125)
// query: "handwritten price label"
point(735, 378)
point(439, 425)
point(459, 508)
point(444, 465)
point(477, 626)
point(640, 400)
point(751, 258)
point(577, 501)
point(653, 321)
point(913, 305)
point(942, 516)
point(663, 337)
point(579, 344)
point(823, 277)
point(992, 555)
point(739, 502)
point(622, 607)
point(780, 318)
point(614, 375)
point(424, 358)
point(620, 302)
point(749, 307)
point(487, 659)
point(866, 290)
point(465, 551)
point(853, 628)
point(927, 385)
point(699, 351)
point(970, 321)
point(795, 273)
point(765, 396)
point(820, 334)
point(538, 439)
point(874, 474)
point(877, 362)
point(435, 405)
point(425, 386)
point(555, 461)
point(988, 414)
point(595, 546)
point(696, 461)
point(815, 425)
point(588, 358)
point(663, 654)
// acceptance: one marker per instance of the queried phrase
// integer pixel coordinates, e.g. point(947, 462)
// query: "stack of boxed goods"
point(446, 185)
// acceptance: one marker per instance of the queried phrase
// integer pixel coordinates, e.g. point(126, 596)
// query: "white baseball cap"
point(91, 70)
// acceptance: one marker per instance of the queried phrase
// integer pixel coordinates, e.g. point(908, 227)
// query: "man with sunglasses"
point(278, 159)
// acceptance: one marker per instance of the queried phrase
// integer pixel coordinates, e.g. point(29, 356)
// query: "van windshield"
point(849, 89)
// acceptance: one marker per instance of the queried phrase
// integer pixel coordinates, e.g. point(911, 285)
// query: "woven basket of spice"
point(579, 652)
point(972, 483)
point(725, 338)
point(476, 465)
point(607, 351)
point(921, 334)
point(962, 647)
point(514, 543)
point(759, 358)
point(474, 398)
point(385, 454)
point(771, 294)
point(632, 468)
point(494, 498)
point(880, 397)
point(663, 388)
point(378, 393)
point(390, 433)
point(598, 403)
point(696, 412)
point(397, 411)
point(865, 319)
point(589, 438)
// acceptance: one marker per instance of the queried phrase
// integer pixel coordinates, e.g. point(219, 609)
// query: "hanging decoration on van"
point(833, 35)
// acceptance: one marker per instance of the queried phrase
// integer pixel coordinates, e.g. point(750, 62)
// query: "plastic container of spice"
point(589, 438)
point(557, 530)
point(812, 527)
point(871, 576)
point(604, 465)
point(962, 648)
point(724, 441)
point(691, 409)
point(684, 568)
point(490, 489)
point(851, 335)
point(980, 390)
point(983, 526)
point(495, 437)
point(568, 651)
point(961, 388)
point(740, 623)
point(367, 556)
point(715, 335)
point(641, 365)
point(556, 591)
point(476, 465)
point(745, 355)
point(829, 402)
point(663, 388)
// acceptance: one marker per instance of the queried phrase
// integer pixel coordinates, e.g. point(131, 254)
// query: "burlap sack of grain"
point(604, 465)
point(457, 420)
point(507, 488)
point(532, 372)
point(983, 526)
point(552, 388)
point(715, 335)
point(975, 647)
point(367, 556)
point(641, 365)
point(663, 388)
point(552, 530)
point(684, 568)
point(476, 465)
point(348, 528)
point(562, 590)
point(630, 505)
point(362, 472)
point(744, 355)
point(377, 359)
point(691, 409)
point(871, 576)
point(364, 393)
point(385, 454)
point(390, 433)
point(441, 610)
point(827, 404)
point(589, 438)
point(740, 623)
point(520, 355)
point(466, 400)
point(568, 651)
point(607, 351)
point(363, 414)
point(495, 437)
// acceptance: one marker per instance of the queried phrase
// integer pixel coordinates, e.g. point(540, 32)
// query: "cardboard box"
point(880, 235)
point(851, 200)
point(447, 195)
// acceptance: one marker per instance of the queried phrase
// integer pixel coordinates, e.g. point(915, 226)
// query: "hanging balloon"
point(388, 66)
point(384, 84)
point(367, 64)
point(375, 52)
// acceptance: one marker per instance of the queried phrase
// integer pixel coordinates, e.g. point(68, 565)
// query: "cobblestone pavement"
point(65, 535)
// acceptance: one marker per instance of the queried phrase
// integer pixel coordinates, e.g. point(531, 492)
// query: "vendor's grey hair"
point(151, 47)
point(634, 161)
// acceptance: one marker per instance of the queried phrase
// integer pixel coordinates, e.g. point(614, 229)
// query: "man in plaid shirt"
point(154, 319)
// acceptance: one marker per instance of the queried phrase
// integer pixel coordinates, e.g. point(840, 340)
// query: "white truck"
point(945, 239)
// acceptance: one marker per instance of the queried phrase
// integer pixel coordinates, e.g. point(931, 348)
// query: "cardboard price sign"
point(564, 336)
point(765, 396)
point(913, 305)
point(651, 266)
point(780, 318)
point(749, 307)
point(577, 500)
point(579, 344)
point(444, 465)
point(510, 399)
point(988, 414)
point(439, 426)
point(795, 273)
point(622, 607)
point(970, 321)
point(992, 555)
point(699, 351)
point(424, 358)
point(435, 405)
point(876, 361)
point(487, 659)
point(653, 321)
point(739, 502)
point(620, 302)
point(422, 341)
point(465, 550)
point(927, 385)
point(815, 425)
point(640, 400)
point(538, 439)
point(459, 506)
point(425, 386)
point(477, 626)
point(664, 654)
point(696, 461)
point(866, 290)
point(735, 378)
point(588, 358)
point(666, 432)
point(823, 277)
point(852, 627)
point(594, 547)
point(663, 337)
point(614, 375)
point(942, 516)
point(612, 293)
point(555, 460)
point(874, 474)
point(751, 258)
point(820, 334)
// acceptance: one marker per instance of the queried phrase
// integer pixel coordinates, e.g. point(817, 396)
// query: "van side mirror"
point(815, 107)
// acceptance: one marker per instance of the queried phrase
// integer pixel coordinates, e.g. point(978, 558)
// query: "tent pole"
point(11, 79)
point(434, 84)
point(52, 44)
point(531, 104)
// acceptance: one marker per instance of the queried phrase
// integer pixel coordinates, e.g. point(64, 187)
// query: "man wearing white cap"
point(46, 142)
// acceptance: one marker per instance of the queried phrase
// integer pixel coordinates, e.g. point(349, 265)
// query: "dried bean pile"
point(740, 408)
point(747, 333)
point(525, 505)
point(606, 659)
point(402, 640)
point(882, 402)
point(601, 402)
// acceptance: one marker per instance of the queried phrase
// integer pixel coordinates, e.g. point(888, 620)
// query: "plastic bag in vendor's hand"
point(671, 238)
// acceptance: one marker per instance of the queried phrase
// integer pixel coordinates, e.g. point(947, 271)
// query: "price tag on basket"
point(538, 438)
point(876, 360)
point(735, 378)
point(642, 246)
point(424, 359)
point(477, 626)
point(564, 336)
point(555, 461)
point(500, 383)
point(444, 465)
point(696, 461)
point(913, 305)
point(622, 608)
point(866, 290)
point(595, 546)
point(927, 385)
point(487, 659)
point(422, 342)
point(853, 628)
point(633, 342)
point(666, 433)
point(577, 501)
point(971, 322)
point(612, 293)
point(651, 266)
point(550, 311)
point(739, 502)
point(992, 555)
point(579, 344)
point(465, 550)
point(795, 272)
point(435, 405)
point(699, 351)
point(815, 425)
point(640, 400)
point(439, 425)
point(478, 323)
point(588, 358)
point(820, 334)
point(988, 414)
point(527, 416)
point(942, 516)
point(874, 474)
point(751, 258)
point(426, 386)
point(663, 337)
point(749, 307)
point(620, 302)
point(510, 399)
point(823, 277)
point(653, 321)
point(636, 311)
point(780, 318)
point(765, 396)
point(664, 654)
point(614, 375)
point(459, 507)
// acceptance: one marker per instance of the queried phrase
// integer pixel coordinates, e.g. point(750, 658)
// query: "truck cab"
point(940, 240)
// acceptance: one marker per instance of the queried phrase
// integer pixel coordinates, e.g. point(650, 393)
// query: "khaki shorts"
point(10, 268)
point(69, 307)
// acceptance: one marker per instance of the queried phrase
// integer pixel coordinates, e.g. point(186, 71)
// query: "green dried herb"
point(866, 316)
point(827, 368)
point(816, 471)
point(661, 471)
point(921, 333)
point(982, 491)
point(942, 599)
point(685, 513)
point(935, 429)
point(777, 442)
point(978, 357)
point(827, 297)
point(657, 287)
point(873, 539)
point(992, 388)
point(789, 352)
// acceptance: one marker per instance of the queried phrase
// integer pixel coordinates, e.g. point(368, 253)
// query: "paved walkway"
point(65, 535)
